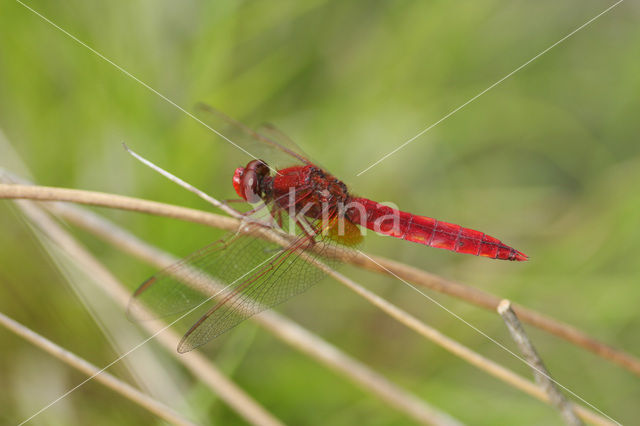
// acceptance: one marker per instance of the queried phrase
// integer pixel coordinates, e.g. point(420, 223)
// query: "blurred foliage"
point(548, 161)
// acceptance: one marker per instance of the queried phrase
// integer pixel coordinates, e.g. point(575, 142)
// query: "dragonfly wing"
point(275, 134)
point(285, 274)
point(194, 279)
point(239, 276)
point(271, 146)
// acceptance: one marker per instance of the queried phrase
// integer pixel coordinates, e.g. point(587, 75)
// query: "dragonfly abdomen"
point(428, 231)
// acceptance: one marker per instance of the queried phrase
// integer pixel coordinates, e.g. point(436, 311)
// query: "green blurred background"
point(548, 161)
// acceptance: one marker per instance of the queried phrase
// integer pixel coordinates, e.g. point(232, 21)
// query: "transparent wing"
point(268, 143)
point(240, 276)
point(273, 133)
point(187, 283)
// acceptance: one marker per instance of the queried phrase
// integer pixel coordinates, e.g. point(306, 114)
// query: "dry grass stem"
point(282, 328)
point(490, 302)
point(159, 409)
point(209, 199)
point(45, 193)
point(374, 263)
point(285, 329)
point(460, 350)
point(112, 234)
point(540, 372)
point(195, 362)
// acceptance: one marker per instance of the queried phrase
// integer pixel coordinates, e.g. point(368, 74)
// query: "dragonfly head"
point(247, 181)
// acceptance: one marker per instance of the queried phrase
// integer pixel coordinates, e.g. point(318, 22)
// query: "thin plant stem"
point(374, 263)
point(281, 327)
point(209, 199)
point(540, 372)
point(456, 348)
point(108, 380)
point(199, 365)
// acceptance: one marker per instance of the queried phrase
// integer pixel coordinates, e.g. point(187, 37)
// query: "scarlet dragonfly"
point(244, 273)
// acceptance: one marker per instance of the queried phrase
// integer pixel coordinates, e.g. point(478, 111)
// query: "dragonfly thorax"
point(308, 190)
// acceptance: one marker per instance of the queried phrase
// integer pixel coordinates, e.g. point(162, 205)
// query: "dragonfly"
point(245, 272)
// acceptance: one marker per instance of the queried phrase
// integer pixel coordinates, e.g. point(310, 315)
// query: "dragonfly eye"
point(237, 182)
point(247, 180)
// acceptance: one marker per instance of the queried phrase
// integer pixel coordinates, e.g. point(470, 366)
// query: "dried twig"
point(69, 358)
point(540, 373)
point(374, 263)
point(209, 199)
point(489, 301)
point(460, 350)
point(199, 365)
point(281, 327)
point(481, 362)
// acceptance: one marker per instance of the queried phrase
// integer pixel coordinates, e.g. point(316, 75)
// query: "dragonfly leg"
point(228, 203)
point(276, 214)
point(308, 228)
point(255, 209)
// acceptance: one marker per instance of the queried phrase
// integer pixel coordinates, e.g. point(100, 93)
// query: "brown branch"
point(374, 263)
point(282, 328)
point(198, 364)
point(115, 384)
point(540, 372)
point(460, 350)
point(130, 244)
point(46, 193)
point(490, 302)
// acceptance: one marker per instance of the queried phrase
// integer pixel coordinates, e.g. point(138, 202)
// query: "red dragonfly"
point(244, 274)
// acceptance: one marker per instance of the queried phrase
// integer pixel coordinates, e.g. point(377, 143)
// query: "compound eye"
point(250, 186)
point(246, 180)
point(261, 168)
point(238, 177)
